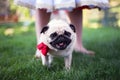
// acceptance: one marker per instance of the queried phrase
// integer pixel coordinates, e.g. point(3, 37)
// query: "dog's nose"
point(61, 38)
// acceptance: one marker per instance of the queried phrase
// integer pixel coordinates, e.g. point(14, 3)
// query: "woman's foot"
point(84, 51)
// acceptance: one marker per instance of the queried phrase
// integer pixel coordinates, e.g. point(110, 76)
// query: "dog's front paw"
point(67, 67)
point(46, 64)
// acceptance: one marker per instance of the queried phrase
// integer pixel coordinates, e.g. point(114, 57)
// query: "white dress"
point(52, 5)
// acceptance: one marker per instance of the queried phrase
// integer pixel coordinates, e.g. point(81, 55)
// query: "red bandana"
point(44, 48)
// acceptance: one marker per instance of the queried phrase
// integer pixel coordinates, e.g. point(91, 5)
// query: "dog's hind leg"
point(37, 54)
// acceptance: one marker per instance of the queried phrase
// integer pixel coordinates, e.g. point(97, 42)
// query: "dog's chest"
point(59, 53)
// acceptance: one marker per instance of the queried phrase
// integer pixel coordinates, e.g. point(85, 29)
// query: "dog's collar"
point(44, 48)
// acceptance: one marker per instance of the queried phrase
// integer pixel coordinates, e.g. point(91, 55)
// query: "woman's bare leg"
point(41, 19)
point(76, 19)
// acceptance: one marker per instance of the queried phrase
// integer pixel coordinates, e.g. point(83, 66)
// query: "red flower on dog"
point(44, 48)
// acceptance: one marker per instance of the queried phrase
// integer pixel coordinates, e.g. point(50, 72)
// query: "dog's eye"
point(53, 35)
point(67, 33)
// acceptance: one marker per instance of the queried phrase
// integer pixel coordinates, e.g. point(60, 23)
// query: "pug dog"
point(57, 39)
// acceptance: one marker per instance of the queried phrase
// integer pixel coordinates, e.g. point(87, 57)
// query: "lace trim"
point(69, 6)
point(93, 4)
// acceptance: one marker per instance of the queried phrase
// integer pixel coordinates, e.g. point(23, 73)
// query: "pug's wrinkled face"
point(60, 34)
point(60, 41)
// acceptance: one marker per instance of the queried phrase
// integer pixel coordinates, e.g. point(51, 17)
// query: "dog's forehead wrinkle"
point(57, 22)
point(58, 29)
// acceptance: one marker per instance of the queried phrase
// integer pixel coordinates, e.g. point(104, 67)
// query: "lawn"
point(18, 45)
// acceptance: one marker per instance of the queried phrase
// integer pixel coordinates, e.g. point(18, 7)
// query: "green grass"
point(17, 60)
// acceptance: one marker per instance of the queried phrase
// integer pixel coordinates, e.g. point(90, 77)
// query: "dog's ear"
point(44, 29)
point(72, 27)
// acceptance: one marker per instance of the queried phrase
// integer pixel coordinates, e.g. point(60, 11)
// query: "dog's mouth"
point(61, 45)
point(61, 42)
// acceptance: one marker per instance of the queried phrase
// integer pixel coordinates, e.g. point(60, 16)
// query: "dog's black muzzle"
point(61, 42)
